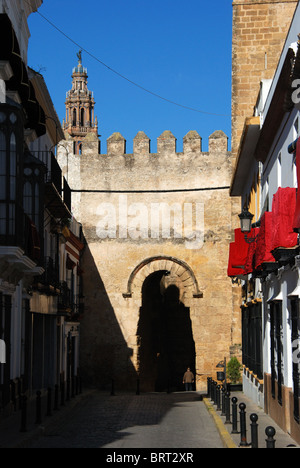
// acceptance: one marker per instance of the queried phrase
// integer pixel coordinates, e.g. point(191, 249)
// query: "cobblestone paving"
point(155, 420)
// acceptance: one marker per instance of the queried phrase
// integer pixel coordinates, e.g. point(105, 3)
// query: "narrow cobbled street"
point(157, 420)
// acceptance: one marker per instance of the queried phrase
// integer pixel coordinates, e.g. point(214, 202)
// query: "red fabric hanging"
point(283, 209)
point(69, 263)
point(237, 254)
point(264, 241)
point(296, 221)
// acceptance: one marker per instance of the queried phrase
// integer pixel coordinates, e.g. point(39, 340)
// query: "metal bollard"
point(218, 397)
point(208, 387)
point(68, 389)
point(215, 392)
point(270, 433)
point(227, 407)
point(56, 397)
point(212, 390)
point(62, 393)
point(223, 400)
point(234, 416)
point(243, 442)
point(38, 408)
point(49, 402)
point(254, 430)
point(24, 414)
point(138, 387)
point(112, 387)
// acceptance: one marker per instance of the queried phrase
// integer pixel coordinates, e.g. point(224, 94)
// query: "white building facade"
point(267, 265)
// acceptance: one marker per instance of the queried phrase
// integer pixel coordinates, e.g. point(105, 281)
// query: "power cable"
point(123, 76)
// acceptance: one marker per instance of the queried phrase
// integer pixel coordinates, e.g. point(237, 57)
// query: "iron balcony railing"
point(50, 277)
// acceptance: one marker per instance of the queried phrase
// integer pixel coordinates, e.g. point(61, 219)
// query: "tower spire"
point(80, 116)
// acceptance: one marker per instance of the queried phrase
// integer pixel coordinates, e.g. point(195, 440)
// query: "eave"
point(245, 158)
point(279, 106)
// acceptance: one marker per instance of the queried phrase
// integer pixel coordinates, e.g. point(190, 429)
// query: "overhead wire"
point(123, 76)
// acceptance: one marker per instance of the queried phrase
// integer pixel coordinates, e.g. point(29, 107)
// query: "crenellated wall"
point(165, 169)
point(144, 214)
point(166, 143)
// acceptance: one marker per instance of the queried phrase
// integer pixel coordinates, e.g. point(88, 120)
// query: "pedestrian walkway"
point(128, 421)
point(97, 419)
point(15, 434)
point(282, 439)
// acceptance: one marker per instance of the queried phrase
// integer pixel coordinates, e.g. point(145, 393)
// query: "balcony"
point(48, 282)
point(78, 310)
point(72, 307)
point(57, 192)
point(65, 303)
point(19, 248)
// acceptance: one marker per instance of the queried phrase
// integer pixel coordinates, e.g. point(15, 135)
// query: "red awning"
point(69, 263)
point(296, 221)
point(264, 241)
point(238, 251)
point(283, 209)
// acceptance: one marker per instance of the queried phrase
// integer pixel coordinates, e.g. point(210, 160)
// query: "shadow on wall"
point(165, 340)
point(105, 355)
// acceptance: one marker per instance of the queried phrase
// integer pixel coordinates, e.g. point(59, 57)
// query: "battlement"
point(166, 144)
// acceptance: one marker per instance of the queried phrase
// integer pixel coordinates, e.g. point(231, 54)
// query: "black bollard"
point(168, 387)
point(23, 414)
point(62, 393)
point(211, 390)
point(38, 419)
point(243, 442)
point(49, 402)
point(218, 397)
point(215, 392)
point(208, 386)
point(56, 390)
point(270, 433)
point(254, 431)
point(73, 387)
point(68, 389)
point(234, 416)
point(227, 407)
point(138, 387)
point(223, 391)
point(112, 393)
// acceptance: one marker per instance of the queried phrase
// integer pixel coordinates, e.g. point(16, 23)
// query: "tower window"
point(82, 120)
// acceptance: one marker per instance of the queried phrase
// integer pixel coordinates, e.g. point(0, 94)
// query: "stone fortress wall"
point(154, 220)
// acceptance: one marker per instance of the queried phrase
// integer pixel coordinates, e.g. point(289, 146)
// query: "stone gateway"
point(157, 229)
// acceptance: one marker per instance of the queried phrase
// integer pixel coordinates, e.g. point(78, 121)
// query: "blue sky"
point(178, 50)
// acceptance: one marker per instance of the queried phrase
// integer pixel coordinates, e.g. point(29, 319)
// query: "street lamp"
point(246, 225)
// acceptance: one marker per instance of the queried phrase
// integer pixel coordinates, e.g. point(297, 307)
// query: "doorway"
point(165, 339)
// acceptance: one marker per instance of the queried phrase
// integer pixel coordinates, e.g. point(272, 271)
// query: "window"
point(31, 194)
point(295, 317)
point(2, 166)
point(11, 139)
point(82, 120)
point(252, 338)
point(276, 350)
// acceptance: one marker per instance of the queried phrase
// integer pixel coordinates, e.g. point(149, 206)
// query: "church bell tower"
point(80, 117)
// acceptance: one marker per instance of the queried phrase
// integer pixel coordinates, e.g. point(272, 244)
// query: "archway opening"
point(165, 339)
